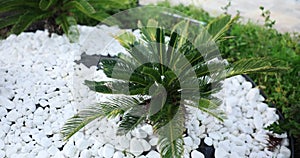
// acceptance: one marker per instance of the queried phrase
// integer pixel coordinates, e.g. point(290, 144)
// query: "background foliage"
point(57, 16)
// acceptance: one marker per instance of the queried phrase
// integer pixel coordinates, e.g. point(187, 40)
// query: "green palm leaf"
point(253, 65)
point(170, 136)
point(111, 108)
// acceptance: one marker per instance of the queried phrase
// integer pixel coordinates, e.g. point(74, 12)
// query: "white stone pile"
point(41, 87)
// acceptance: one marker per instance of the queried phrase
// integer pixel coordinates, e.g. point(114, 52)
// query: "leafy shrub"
point(55, 15)
point(161, 85)
point(251, 40)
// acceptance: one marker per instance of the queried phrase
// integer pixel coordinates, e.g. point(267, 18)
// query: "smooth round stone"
point(197, 154)
point(2, 154)
point(148, 129)
point(46, 142)
point(108, 151)
point(153, 154)
point(1, 144)
point(208, 141)
point(124, 142)
point(153, 141)
point(145, 144)
point(52, 150)
point(7, 103)
point(188, 141)
point(3, 112)
point(220, 153)
point(43, 154)
point(118, 154)
point(285, 151)
point(13, 115)
point(85, 153)
point(139, 133)
point(136, 147)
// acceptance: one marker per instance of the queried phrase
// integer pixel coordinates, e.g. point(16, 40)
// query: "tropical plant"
point(55, 15)
point(165, 73)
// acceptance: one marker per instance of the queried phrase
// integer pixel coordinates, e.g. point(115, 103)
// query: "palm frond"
point(170, 140)
point(131, 120)
point(210, 106)
point(253, 65)
point(219, 26)
point(112, 108)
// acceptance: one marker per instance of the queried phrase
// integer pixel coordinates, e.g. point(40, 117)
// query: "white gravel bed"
point(41, 87)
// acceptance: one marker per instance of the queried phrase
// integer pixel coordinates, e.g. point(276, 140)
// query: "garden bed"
point(42, 86)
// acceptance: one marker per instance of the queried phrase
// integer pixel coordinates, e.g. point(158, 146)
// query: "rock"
point(215, 135)
point(46, 142)
point(139, 133)
point(5, 102)
point(3, 112)
point(153, 141)
point(69, 149)
point(253, 94)
point(258, 121)
point(153, 154)
point(136, 147)
point(108, 151)
point(145, 144)
point(43, 154)
point(82, 143)
point(52, 150)
point(118, 154)
point(220, 153)
point(208, 141)
point(13, 115)
point(2, 154)
point(197, 154)
point(124, 142)
point(2, 145)
point(188, 141)
point(85, 153)
point(285, 151)
point(148, 129)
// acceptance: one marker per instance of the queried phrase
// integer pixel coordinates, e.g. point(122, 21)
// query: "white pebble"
point(197, 154)
point(108, 151)
point(136, 147)
point(188, 141)
point(208, 141)
point(153, 154)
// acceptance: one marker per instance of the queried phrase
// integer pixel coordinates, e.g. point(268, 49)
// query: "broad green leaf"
point(152, 73)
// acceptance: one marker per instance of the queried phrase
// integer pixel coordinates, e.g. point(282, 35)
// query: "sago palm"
point(166, 71)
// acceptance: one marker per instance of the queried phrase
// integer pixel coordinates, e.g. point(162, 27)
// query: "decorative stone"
point(145, 144)
point(197, 154)
point(208, 141)
point(7, 103)
point(85, 153)
point(118, 154)
point(43, 154)
point(136, 147)
point(153, 141)
point(13, 115)
point(108, 151)
point(188, 141)
point(153, 154)
point(46, 142)
point(220, 153)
